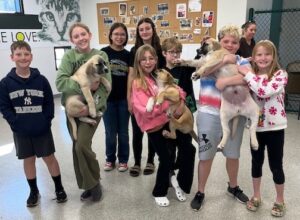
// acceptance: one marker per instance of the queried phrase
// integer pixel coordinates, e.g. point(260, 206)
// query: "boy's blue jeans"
point(116, 119)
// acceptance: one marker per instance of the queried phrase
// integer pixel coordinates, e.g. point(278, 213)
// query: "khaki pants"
point(86, 165)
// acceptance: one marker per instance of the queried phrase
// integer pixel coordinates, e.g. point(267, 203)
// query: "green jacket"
point(71, 61)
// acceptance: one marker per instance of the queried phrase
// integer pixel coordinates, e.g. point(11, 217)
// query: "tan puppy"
point(236, 100)
point(169, 91)
point(89, 73)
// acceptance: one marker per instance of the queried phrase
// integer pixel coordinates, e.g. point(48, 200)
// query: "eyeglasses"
point(173, 53)
point(119, 34)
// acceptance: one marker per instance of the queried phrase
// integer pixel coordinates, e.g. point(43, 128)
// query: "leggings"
point(137, 144)
point(274, 141)
point(161, 146)
point(184, 161)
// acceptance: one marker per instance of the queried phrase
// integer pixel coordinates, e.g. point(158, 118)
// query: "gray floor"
point(125, 197)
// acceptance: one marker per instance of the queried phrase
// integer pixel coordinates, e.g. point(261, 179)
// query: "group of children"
point(26, 97)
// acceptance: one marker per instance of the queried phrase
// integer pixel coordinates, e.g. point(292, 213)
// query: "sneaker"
point(33, 199)
point(237, 193)
point(197, 202)
point(109, 166)
point(85, 195)
point(61, 196)
point(122, 167)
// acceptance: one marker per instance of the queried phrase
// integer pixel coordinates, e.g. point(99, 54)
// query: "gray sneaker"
point(96, 193)
point(237, 193)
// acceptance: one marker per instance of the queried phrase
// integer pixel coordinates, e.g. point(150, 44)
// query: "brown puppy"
point(89, 73)
point(169, 91)
point(236, 100)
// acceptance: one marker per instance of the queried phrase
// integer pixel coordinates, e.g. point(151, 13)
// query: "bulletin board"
point(188, 20)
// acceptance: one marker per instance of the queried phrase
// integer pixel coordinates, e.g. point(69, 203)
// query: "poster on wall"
point(195, 5)
point(163, 8)
point(186, 24)
point(104, 11)
point(131, 34)
point(180, 11)
point(55, 23)
point(132, 10)
point(207, 18)
point(145, 10)
point(123, 9)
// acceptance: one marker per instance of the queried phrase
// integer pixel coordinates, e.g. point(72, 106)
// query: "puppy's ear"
point(89, 68)
point(216, 45)
point(170, 78)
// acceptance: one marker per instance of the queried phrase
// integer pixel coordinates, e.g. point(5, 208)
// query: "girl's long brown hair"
point(270, 47)
point(155, 42)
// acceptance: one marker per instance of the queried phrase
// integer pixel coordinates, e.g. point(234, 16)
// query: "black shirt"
point(245, 49)
point(119, 64)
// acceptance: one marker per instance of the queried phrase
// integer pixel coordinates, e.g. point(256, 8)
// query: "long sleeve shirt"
point(269, 95)
point(139, 98)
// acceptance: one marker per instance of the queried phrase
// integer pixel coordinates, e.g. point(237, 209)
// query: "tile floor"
point(125, 197)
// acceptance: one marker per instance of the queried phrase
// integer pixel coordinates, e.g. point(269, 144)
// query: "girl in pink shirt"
point(154, 122)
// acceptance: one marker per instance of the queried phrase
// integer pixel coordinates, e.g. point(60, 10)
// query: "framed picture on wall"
point(122, 9)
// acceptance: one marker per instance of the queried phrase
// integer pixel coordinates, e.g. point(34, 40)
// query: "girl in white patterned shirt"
point(267, 84)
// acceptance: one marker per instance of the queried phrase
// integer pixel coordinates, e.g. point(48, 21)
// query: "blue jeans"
point(116, 119)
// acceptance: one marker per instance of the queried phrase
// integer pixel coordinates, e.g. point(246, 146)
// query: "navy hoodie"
point(27, 104)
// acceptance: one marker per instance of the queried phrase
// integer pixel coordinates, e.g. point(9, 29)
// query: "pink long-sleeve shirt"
point(139, 99)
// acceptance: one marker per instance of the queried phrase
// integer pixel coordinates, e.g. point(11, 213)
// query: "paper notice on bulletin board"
point(194, 5)
point(207, 18)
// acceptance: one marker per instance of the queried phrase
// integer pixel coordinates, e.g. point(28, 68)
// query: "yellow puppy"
point(89, 73)
point(236, 100)
point(170, 92)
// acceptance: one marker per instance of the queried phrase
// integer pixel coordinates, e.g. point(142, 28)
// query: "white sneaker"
point(122, 167)
point(109, 166)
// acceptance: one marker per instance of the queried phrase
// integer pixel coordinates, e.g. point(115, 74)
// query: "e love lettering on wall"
point(7, 37)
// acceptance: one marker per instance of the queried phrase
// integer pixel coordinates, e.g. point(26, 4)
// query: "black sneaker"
point(197, 202)
point(85, 195)
point(33, 199)
point(96, 193)
point(237, 193)
point(61, 196)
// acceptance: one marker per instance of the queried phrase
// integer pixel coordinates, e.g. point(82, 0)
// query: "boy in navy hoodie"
point(26, 102)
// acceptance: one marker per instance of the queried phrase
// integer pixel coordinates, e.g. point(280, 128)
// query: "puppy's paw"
point(178, 62)
point(254, 145)
point(159, 101)
point(150, 104)
point(99, 114)
point(92, 113)
point(220, 148)
point(195, 76)
point(166, 133)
